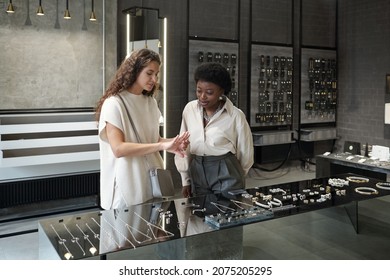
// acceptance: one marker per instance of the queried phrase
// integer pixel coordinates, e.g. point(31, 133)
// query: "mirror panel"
point(146, 29)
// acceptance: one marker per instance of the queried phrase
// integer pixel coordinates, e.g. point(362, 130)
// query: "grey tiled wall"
point(364, 61)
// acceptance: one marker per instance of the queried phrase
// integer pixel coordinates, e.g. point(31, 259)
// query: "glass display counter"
point(206, 227)
point(330, 164)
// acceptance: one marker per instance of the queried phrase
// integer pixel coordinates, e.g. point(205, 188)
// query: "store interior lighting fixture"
point(67, 13)
point(40, 11)
point(92, 17)
point(10, 8)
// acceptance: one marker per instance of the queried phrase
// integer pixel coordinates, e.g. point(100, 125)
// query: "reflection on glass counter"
point(99, 233)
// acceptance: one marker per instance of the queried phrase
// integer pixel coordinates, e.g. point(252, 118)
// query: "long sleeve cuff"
point(185, 179)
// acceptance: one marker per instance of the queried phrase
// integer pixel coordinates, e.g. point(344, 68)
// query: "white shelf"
point(49, 159)
point(46, 127)
point(46, 141)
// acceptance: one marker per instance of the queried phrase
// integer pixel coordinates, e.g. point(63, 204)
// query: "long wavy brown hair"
point(127, 74)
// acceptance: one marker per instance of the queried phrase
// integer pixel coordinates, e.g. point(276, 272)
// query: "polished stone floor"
point(325, 234)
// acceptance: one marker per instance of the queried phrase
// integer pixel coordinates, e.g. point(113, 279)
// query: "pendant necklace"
point(206, 117)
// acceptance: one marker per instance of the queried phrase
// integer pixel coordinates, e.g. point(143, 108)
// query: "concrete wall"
point(48, 61)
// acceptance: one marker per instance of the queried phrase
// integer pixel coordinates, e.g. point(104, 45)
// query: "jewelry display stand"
point(225, 53)
point(271, 86)
point(318, 86)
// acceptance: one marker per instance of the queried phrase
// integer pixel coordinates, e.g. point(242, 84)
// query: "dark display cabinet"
point(318, 86)
point(271, 86)
point(225, 53)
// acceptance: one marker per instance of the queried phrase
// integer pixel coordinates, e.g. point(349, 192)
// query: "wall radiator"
point(17, 193)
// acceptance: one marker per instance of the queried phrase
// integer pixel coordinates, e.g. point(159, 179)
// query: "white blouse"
point(227, 131)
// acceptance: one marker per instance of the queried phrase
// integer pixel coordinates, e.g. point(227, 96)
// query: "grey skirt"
point(216, 174)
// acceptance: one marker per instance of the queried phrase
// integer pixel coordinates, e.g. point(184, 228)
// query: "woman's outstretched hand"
point(178, 145)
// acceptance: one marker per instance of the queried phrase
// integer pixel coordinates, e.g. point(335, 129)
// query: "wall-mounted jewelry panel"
point(271, 86)
point(318, 86)
point(225, 53)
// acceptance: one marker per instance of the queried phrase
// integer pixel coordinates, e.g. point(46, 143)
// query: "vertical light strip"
point(165, 86)
point(104, 45)
point(127, 35)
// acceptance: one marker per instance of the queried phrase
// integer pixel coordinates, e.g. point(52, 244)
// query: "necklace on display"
point(206, 117)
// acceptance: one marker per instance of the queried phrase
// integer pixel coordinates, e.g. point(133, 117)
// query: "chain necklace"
point(206, 117)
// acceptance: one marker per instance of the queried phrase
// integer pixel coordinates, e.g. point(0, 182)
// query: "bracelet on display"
point(336, 182)
point(277, 190)
point(276, 202)
point(366, 190)
point(383, 186)
point(356, 179)
point(266, 206)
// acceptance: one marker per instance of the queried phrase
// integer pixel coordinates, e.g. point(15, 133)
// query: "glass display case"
point(205, 227)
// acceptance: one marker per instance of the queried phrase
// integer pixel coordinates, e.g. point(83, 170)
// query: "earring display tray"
point(318, 86)
point(225, 53)
point(271, 86)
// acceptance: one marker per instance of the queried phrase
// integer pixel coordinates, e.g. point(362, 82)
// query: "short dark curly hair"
point(214, 73)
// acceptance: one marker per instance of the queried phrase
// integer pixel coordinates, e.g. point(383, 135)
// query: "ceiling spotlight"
point(40, 9)
point(10, 8)
point(67, 14)
point(92, 17)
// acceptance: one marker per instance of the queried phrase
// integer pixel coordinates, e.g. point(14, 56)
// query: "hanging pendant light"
point(67, 14)
point(92, 17)
point(10, 8)
point(40, 9)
